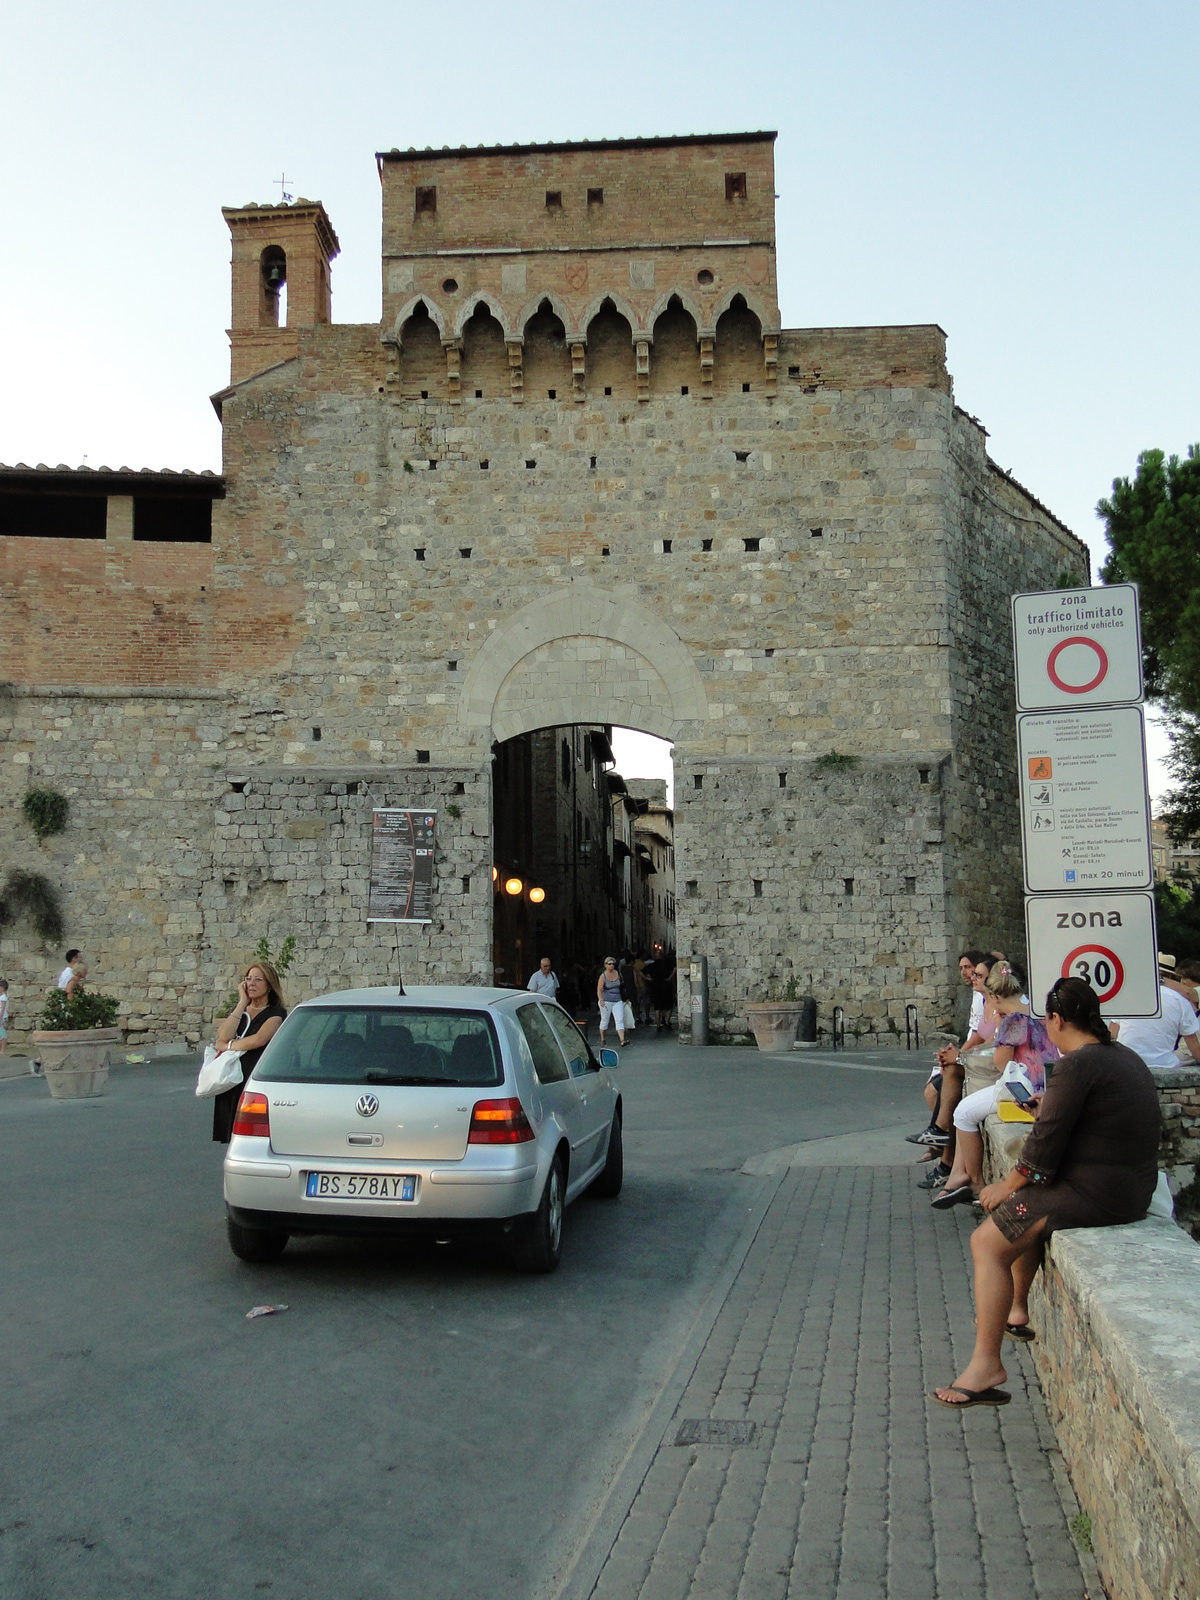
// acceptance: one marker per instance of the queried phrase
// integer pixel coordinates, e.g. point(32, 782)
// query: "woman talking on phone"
point(247, 1029)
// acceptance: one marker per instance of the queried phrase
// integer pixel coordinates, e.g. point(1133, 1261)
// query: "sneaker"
point(919, 1138)
point(934, 1137)
point(935, 1178)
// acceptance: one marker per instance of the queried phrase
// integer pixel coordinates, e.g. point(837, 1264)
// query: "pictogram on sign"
point(1090, 647)
point(1098, 965)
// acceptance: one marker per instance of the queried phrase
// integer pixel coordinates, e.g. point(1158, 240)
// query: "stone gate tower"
point(577, 473)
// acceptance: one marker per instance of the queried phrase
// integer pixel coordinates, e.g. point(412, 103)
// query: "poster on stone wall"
point(402, 844)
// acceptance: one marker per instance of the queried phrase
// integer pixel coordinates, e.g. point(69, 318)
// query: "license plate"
point(359, 1186)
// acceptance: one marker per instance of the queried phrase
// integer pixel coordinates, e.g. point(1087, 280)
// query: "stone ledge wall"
point(1118, 1317)
point(1117, 1312)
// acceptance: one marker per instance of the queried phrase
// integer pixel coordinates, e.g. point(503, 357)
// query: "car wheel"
point(537, 1239)
point(608, 1185)
point(255, 1244)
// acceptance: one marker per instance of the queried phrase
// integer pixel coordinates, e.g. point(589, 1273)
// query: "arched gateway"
point(576, 473)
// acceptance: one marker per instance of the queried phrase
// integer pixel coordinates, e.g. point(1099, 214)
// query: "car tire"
point(537, 1238)
point(258, 1245)
point(608, 1185)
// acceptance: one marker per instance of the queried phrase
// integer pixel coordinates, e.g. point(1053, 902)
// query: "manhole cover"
point(715, 1430)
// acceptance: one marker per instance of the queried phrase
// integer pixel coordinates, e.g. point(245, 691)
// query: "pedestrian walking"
point(3, 1015)
point(544, 980)
point(612, 994)
point(68, 972)
point(248, 1029)
point(662, 990)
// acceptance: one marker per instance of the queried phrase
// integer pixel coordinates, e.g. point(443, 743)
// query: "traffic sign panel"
point(1077, 648)
point(1107, 939)
point(1085, 811)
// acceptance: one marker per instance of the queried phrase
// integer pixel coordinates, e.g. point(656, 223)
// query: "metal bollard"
point(698, 976)
point(912, 1026)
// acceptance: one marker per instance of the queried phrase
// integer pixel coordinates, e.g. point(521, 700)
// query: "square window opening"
point(683, 388)
point(667, 543)
point(745, 388)
point(551, 394)
point(316, 735)
point(595, 197)
point(423, 757)
point(706, 544)
point(750, 544)
point(735, 186)
point(425, 204)
point(816, 533)
point(420, 553)
point(697, 780)
point(553, 199)
point(530, 465)
point(479, 394)
point(923, 774)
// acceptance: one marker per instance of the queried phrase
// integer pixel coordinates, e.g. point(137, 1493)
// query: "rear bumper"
point(300, 1225)
point(267, 1191)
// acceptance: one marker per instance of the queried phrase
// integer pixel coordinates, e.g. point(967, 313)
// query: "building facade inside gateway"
point(577, 476)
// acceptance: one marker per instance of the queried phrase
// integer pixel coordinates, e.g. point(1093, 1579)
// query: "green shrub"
point(262, 952)
point(32, 895)
point(46, 811)
point(64, 1011)
point(834, 761)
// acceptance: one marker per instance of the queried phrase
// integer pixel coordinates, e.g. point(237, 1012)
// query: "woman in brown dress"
point(1090, 1161)
point(247, 1029)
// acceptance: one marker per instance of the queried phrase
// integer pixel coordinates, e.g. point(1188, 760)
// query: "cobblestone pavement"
point(852, 1303)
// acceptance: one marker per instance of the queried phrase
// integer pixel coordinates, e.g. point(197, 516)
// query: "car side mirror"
point(610, 1058)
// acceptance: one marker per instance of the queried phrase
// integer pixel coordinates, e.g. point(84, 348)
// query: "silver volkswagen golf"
point(443, 1111)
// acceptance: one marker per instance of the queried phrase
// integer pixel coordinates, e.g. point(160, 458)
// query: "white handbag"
point(218, 1073)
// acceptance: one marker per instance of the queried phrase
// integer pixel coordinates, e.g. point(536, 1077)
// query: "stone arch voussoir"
point(620, 304)
point(685, 300)
point(659, 699)
point(481, 298)
point(557, 304)
point(410, 306)
point(754, 303)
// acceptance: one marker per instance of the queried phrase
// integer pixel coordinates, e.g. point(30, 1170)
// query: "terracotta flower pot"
point(75, 1061)
point(774, 1023)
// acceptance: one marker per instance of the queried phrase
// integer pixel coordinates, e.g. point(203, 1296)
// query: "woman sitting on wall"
point(1090, 1161)
point(1022, 1050)
point(247, 1029)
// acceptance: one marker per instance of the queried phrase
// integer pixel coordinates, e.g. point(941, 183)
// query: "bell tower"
point(278, 251)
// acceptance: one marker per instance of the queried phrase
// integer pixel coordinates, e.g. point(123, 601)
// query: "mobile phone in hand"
point(1019, 1093)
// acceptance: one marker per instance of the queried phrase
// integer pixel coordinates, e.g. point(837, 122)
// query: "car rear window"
point(376, 1044)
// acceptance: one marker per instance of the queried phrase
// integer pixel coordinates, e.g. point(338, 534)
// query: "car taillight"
point(499, 1122)
point(252, 1115)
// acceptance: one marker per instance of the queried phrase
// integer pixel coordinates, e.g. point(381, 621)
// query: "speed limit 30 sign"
point(1108, 940)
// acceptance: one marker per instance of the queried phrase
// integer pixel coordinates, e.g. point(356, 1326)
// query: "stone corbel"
point(770, 361)
point(392, 347)
point(516, 370)
point(453, 349)
point(642, 347)
point(578, 373)
point(706, 368)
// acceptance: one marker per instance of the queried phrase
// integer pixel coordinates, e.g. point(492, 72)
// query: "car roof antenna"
point(399, 974)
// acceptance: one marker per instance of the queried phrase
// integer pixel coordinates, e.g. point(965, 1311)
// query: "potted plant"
point(774, 1021)
point(74, 1042)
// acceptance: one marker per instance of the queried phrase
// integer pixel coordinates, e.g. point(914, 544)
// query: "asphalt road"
point(421, 1420)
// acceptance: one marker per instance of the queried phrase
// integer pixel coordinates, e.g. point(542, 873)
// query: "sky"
point(1024, 175)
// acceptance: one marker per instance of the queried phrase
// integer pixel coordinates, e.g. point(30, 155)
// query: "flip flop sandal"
point(1020, 1331)
point(975, 1397)
point(961, 1195)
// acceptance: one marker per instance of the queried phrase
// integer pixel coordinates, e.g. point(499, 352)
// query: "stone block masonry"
point(577, 474)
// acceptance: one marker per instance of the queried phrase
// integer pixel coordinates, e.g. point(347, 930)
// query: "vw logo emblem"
point(366, 1105)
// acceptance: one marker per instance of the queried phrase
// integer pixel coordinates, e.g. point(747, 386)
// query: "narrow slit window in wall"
point(849, 885)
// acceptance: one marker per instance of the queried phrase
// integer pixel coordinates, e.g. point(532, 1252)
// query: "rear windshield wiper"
point(378, 1075)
